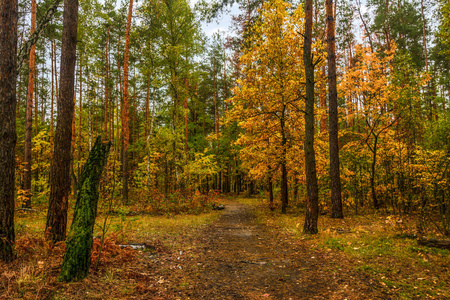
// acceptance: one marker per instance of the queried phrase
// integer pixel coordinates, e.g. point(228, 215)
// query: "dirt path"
point(240, 259)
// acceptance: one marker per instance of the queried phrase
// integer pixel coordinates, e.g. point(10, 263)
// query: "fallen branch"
point(430, 242)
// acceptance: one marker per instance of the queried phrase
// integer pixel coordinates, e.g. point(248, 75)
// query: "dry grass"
point(119, 273)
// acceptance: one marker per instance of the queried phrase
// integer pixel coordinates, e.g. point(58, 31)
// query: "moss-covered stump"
point(77, 257)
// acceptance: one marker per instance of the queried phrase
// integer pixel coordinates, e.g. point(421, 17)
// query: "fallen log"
point(431, 242)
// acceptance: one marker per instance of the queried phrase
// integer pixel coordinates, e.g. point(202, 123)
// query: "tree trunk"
point(271, 205)
point(424, 36)
point(186, 114)
point(80, 117)
point(323, 106)
point(29, 117)
point(60, 169)
point(8, 79)
point(312, 197)
point(284, 180)
point(77, 257)
point(106, 107)
point(333, 121)
point(53, 62)
point(376, 204)
point(125, 126)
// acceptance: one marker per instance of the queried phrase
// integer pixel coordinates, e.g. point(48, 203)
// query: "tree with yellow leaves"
point(374, 104)
point(268, 99)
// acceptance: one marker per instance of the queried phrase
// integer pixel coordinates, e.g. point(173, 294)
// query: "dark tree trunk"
point(312, 197)
point(336, 200)
point(29, 117)
point(62, 160)
point(77, 257)
point(8, 78)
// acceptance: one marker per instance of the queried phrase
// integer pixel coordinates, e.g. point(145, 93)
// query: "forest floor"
point(242, 252)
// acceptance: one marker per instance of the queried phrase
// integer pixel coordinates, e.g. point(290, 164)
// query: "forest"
point(313, 117)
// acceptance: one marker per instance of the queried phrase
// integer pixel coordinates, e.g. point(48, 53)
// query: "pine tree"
point(62, 159)
point(8, 78)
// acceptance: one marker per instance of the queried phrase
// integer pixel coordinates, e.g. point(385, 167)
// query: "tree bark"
point(333, 120)
point(77, 257)
point(125, 126)
point(312, 197)
point(8, 138)
point(29, 116)
point(60, 169)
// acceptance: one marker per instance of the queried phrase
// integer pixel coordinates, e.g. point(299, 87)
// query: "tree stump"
point(77, 258)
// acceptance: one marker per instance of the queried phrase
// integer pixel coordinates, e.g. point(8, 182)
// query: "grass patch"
point(370, 244)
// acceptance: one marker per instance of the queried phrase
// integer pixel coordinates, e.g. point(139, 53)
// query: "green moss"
point(77, 258)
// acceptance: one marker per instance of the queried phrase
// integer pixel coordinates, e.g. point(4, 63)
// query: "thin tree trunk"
point(8, 80)
point(312, 197)
point(186, 84)
point(365, 26)
point(125, 125)
point(271, 205)
point(106, 87)
point(26, 47)
point(424, 36)
point(80, 116)
point(36, 103)
point(60, 170)
point(147, 107)
point(53, 59)
point(29, 116)
point(323, 106)
point(376, 204)
point(333, 120)
point(284, 179)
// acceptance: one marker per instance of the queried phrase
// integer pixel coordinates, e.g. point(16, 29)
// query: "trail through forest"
point(241, 259)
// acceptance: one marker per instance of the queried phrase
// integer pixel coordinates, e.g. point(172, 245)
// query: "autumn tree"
point(8, 78)
point(268, 98)
point(62, 159)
